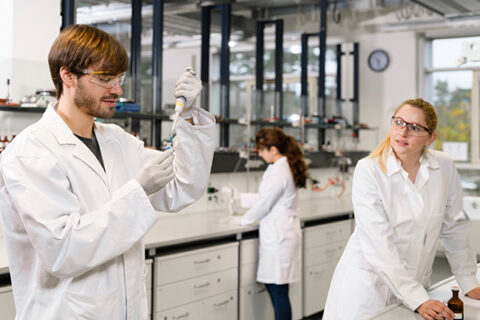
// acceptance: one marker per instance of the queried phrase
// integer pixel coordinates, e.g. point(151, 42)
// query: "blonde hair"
point(381, 151)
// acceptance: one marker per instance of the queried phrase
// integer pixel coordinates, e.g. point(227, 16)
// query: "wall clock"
point(378, 60)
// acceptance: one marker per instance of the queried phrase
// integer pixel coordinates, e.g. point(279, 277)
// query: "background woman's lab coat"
point(275, 205)
point(74, 231)
point(389, 256)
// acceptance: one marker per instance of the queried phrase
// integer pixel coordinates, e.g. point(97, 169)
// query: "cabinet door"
point(315, 287)
point(148, 284)
point(220, 307)
point(256, 304)
point(7, 306)
point(295, 294)
point(191, 311)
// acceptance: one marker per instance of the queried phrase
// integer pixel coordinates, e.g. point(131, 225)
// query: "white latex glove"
point(189, 87)
point(157, 173)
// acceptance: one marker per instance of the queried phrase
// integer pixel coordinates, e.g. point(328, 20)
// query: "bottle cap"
point(455, 288)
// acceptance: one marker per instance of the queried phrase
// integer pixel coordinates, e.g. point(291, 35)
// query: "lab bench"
point(201, 267)
point(440, 291)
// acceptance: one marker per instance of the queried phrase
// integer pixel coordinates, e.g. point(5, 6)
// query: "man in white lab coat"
point(78, 196)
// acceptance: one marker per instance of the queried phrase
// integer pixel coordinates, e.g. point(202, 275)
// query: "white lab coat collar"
point(280, 161)
point(394, 165)
point(65, 136)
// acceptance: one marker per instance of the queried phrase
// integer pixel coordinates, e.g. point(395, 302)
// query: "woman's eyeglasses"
point(413, 129)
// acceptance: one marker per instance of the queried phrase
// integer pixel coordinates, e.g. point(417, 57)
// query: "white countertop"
point(172, 229)
point(440, 291)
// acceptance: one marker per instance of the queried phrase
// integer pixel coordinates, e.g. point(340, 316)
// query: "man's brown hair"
point(79, 47)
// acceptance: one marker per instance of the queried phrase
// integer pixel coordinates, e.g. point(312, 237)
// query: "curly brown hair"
point(287, 146)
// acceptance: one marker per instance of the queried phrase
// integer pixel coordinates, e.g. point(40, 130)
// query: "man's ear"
point(68, 78)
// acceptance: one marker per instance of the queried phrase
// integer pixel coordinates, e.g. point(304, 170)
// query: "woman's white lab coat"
point(74, 231)
point(389, 256)
point(275, 205)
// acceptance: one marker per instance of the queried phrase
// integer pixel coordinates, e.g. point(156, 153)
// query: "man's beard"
point(90, 106)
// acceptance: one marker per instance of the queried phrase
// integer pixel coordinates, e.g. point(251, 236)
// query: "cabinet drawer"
point(191, 311)
point(194, 263)
point(327, 233)
point(249, 251)
point(183, 292)
point(325, 253)
point(220, 307)
point(315, 287)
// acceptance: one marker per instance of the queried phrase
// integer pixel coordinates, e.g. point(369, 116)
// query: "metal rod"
point(224, 74)
point(279, 68)
point(322, 109)
point(68, 13)
point(205, 55)
point(157, 67)
point(259, 69)
point(136, 51)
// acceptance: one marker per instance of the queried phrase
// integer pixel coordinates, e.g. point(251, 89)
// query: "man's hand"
point(474, 293)
point(157, 173)
point(189, 87)
point(435, 310)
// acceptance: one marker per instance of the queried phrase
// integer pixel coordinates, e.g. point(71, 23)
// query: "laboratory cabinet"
point(148, 284)
point(197, 284)
point(7, 306)
point(323, 246)
point(254, 300)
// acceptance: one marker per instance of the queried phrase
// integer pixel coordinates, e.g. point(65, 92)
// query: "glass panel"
point(112, 17)
point(446, 52)
point(451, 97)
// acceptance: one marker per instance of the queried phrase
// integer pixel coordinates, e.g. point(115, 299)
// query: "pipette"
point(179, 103)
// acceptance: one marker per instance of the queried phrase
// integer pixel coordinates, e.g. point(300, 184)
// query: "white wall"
point(28, 30)
point(382, 92)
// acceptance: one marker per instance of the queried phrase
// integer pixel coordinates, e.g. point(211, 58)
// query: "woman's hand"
point(435, 310)
point(474, 293)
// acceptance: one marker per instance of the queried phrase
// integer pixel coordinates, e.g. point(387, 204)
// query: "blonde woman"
point(406, 197)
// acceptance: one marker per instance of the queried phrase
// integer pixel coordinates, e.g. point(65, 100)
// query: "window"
point(451, 89)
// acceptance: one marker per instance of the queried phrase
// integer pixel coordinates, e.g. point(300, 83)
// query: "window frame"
point(425, 82)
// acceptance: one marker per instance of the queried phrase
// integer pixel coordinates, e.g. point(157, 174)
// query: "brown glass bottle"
point(455, 304)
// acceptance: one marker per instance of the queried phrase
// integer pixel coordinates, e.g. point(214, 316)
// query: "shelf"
point(23, 109)
point(166, 117)
point(289, 124)
point(117, 115)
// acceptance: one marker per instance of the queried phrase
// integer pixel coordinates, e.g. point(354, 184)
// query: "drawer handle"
point(316, 273)
point(260, 290)
point(221, 303)
point(202, 261)
point(199, 286)
point(185, 315)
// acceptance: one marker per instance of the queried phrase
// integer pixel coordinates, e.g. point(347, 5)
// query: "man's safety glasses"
point(103, 79)
point(413, 129)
